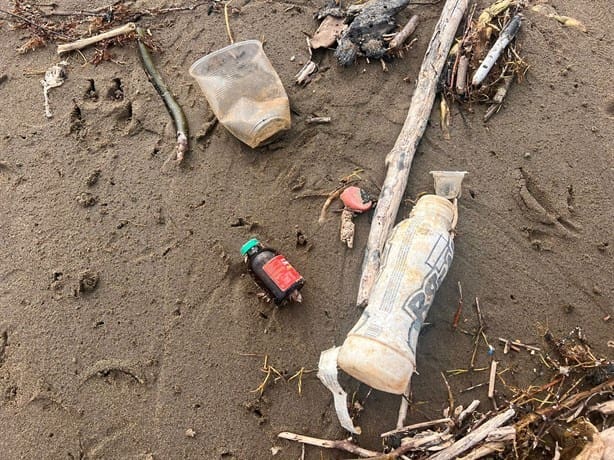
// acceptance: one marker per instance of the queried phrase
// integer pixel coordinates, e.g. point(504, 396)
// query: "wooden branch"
point(77, 45)
point(329, 444)
point(400, 157)
point(468, 411)
point(474, 437)
point(415, 426)
point(484, 450)
point(404, 34)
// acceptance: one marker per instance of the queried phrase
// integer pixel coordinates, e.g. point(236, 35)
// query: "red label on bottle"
point(281, 272)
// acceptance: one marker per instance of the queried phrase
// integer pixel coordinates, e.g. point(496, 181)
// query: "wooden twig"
point(399, 159)
point(43, 29)
point(484, 450)
point(79, 44)
point(461, 75)
point(403, 408)
point(473, 438)
point(468, 411)
point(491, 381)
point(226, 20)
point(317, 120)
point(519, 344)
point(173, 108)
point(568, 403)
point(416, 426)
point(450, 396)
point(332, 196)
point(345, 445)
point(404, 33)
point(459, 310)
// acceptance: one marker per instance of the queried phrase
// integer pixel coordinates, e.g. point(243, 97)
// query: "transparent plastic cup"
point(448, 183)
point(244, 91)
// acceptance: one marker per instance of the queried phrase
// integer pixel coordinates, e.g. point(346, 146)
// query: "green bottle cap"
point(247, 246)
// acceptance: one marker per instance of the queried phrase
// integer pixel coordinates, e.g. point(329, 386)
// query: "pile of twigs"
point(47, 24)
point(560, 419)
point(486, 59)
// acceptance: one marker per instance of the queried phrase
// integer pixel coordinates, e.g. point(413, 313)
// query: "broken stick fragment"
point(400, 38)
point(79, 44)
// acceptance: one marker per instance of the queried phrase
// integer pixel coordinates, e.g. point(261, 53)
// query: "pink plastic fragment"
point(356, 199)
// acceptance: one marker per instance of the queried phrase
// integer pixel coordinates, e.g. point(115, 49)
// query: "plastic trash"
point(380, 350)
point(448, 183)
point(356, 199)
point(244, 91)
point(273, 271)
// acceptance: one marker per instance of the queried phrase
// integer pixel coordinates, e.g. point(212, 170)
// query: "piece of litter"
point(275, 450)
point(54, 77)
point(190, 433)
point(356, 199)
point(304, 75)
point(328, 32)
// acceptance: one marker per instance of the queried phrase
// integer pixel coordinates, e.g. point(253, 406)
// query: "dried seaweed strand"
point(173, 108)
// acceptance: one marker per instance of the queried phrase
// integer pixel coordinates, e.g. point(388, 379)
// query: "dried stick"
point(79, 44)
point(317, 120)
point(416, 426)
point(468, 411)
point(484, 450)
point(226, 20)
point(459, 310)
point(329, 444)
point(491, 381)
point(461, 75)
point(567, 403)
point(404, 33)
point(408, 444)
point(331, 197)
point(175, 111)
point(400, 157)
point(35, 25)
point(450, 396)
point(474, 437)
point(403, 408)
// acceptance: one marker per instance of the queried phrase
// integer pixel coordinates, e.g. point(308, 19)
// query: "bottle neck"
point(253, 251)
point(437, 209)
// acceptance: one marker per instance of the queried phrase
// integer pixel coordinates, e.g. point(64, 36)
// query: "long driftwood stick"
point(474, 437)
point(328, 444)
point(400, 157)
point(125, 29)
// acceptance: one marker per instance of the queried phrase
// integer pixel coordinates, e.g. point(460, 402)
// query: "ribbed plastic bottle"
point(380, 350)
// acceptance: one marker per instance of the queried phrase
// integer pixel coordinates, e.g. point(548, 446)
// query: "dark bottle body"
point(275, 273)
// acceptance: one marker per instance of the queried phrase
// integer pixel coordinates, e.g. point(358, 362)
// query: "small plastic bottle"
point(273, 271)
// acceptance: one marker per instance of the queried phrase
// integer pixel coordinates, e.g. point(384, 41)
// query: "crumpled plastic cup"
point(244, 92)
point(448, 183)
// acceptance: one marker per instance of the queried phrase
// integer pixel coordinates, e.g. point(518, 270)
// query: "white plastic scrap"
point(54, 77)
point(327, 373)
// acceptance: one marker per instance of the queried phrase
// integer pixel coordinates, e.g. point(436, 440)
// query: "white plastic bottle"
point(380, 350)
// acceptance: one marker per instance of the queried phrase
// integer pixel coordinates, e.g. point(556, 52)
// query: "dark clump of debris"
point(366, 28)
point(365, 34)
